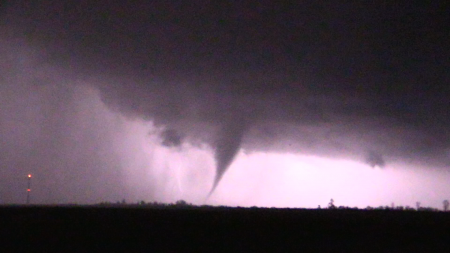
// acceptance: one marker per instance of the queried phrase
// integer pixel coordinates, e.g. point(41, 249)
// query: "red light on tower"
point(29, 189)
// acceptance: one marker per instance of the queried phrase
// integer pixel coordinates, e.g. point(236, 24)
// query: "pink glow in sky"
point(151, 172)
point(285, 180)
point(108, 117)
point(157, 173)
point(276, 180)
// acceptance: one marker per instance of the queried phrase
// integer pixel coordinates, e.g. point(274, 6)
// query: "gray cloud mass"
point(337, 79)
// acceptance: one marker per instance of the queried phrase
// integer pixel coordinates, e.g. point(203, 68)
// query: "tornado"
point(227, 145)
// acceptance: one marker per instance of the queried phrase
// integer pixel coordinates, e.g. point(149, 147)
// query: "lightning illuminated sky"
point(258, 103)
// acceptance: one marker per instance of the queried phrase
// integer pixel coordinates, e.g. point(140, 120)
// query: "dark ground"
point(207, 229)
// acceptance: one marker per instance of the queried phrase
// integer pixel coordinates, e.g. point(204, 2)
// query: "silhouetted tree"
point(181, 203)
point(331, 204)
point(418, 205)
point(408, 208)
point(446, 203)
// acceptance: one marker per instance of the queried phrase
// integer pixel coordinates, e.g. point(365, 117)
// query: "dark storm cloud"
point(55, 130)
point(347, 80)
point(171, 138)
point(375, 159)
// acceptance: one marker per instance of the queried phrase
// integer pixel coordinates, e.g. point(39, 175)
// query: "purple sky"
point(266, 103)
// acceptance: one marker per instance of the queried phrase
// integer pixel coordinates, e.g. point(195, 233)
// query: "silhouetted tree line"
point(142, 203)
point(331, 205)
point(446, 203)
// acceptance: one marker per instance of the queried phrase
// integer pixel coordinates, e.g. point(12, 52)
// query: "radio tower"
point(29, 189)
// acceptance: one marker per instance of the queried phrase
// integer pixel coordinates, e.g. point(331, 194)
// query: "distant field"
point(207, 229)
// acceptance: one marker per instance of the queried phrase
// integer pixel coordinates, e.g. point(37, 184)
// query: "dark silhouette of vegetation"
point(181, 203)
point(168, 225)
point(331, 204)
